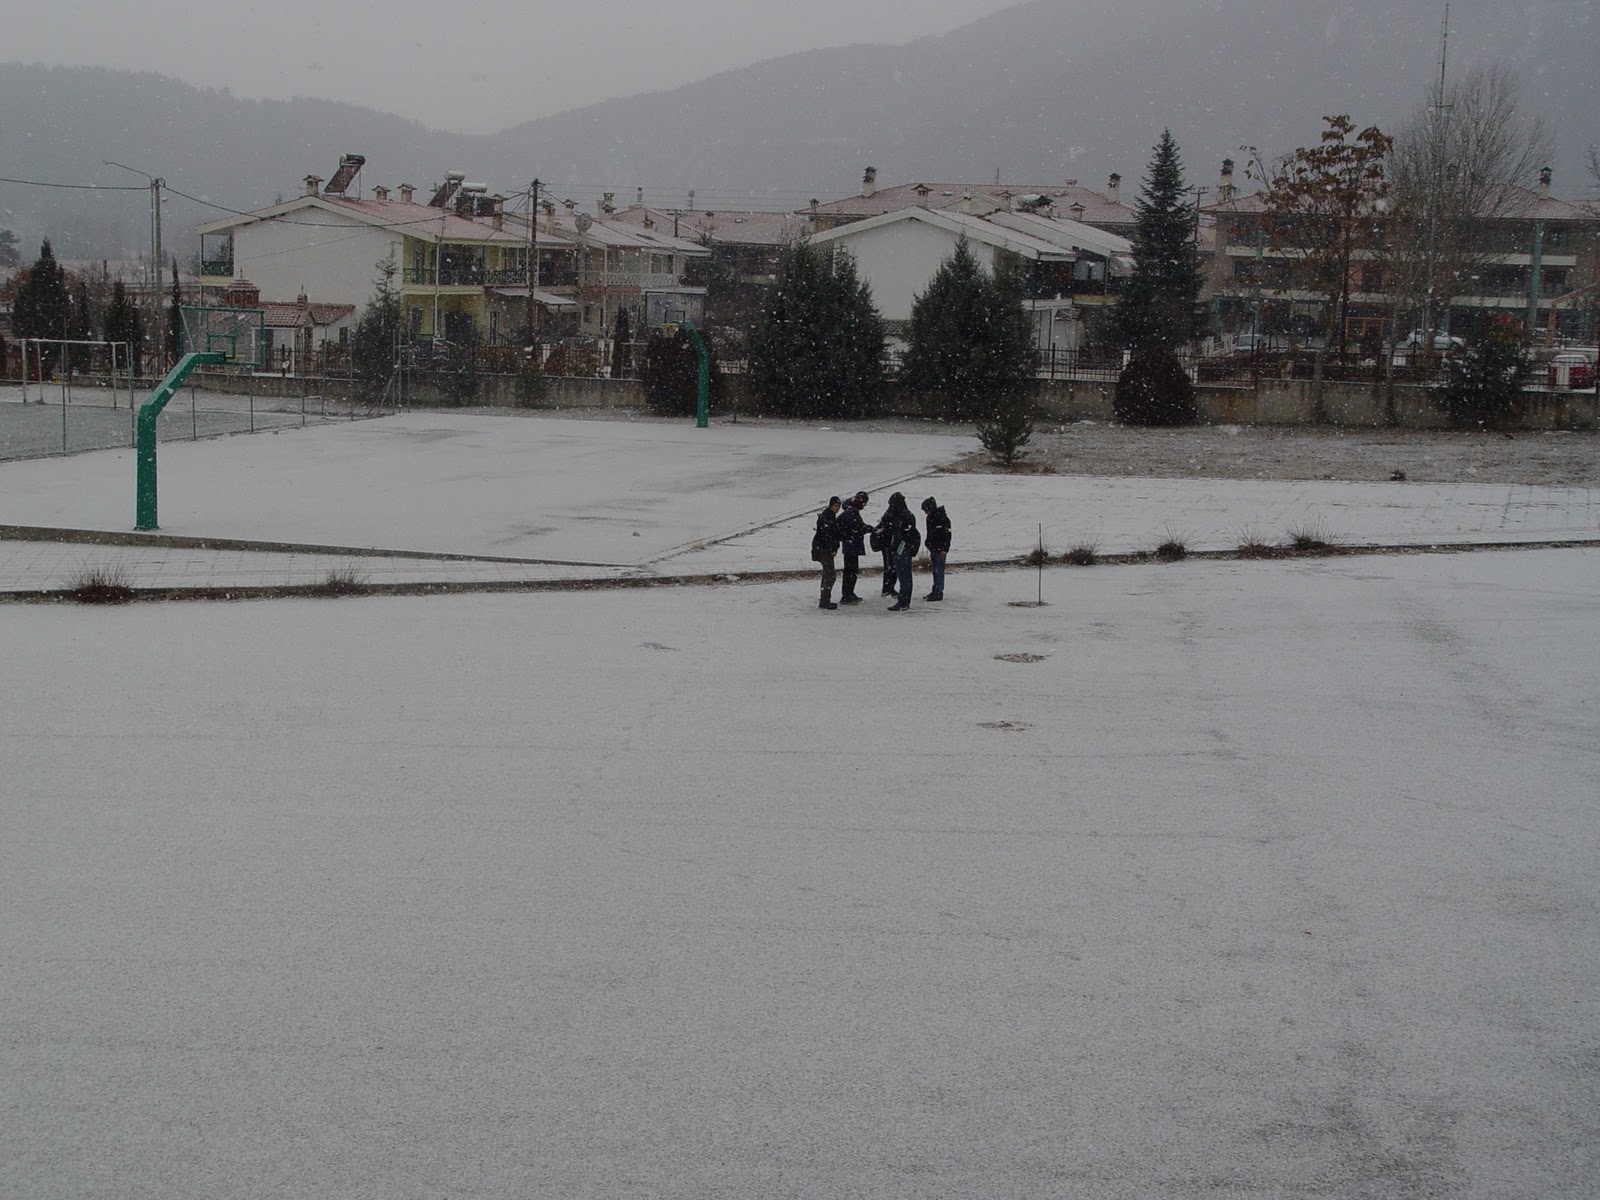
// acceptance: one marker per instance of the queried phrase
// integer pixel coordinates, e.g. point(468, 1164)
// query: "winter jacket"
point(938, 530)
point(900, 535)
point(825, 541)
point(852, 530)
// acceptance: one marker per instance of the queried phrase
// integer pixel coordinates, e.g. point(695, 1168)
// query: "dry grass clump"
point(346, 580)
point(102, 583)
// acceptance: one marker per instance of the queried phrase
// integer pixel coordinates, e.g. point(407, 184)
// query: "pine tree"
point(43, 308)
point(373, 345)
point(970, 341)
point(175, 319)
point(1483, 386)
point(622, 346)
point(121, 324)
point(818, 348)
point(1161, 299)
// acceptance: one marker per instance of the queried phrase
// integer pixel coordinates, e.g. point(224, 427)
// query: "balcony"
point(217, 268)
point(645, 281)
point(464, 275)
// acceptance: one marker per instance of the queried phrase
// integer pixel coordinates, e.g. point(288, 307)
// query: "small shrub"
point(530, 387)
point(346, 580)
point(1085, 554)
point(1008, 428)
point(1312, 538)
point(1154, 389)
point(103, 583)
point(1483, 385)
point(1253, 545)
point(1173, 548)
point(671, 375)
point(458, 378)
point(1037, 557)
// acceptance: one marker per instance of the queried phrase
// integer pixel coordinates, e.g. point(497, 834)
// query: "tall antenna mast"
point(1444, 49)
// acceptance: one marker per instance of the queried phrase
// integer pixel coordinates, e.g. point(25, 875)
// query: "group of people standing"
point(841, 526)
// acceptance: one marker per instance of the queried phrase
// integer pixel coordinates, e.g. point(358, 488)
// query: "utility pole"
point(533, 264)
point(156, 184)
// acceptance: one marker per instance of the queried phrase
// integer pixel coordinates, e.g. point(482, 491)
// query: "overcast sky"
point(474, 66)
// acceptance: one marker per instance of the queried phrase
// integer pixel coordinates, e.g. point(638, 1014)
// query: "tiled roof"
point(608, 232)
point(1098, 208)
point(734, 228)
point(414, 220)
point(292, 316)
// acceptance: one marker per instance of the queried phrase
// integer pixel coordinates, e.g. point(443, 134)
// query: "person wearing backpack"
point(901, 539)
point(938, 543)
point(824, 545)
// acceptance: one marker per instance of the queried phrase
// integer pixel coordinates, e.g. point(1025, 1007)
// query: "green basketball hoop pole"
point(703, 383)
point(145, 502)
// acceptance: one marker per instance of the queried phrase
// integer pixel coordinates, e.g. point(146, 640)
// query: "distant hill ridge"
point(1044, 90)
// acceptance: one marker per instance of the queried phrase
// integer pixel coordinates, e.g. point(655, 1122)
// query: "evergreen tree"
point(818, 348)
point(671, 375)
point(1483, 386)
point(175, 320)
point(622, 346)
point(970, 340)
point(377, 333)
point(43, 308)
point(1161, 299)
point(121, 324)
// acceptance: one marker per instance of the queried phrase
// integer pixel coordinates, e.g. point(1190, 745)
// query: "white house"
point(898, 252)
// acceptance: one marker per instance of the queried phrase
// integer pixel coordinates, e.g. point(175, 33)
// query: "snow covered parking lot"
point(1271, 879)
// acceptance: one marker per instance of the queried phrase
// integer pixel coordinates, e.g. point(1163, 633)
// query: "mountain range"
point(1043, 91)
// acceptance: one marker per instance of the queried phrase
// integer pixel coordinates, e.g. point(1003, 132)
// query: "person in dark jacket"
point(938, 543)
point(824, 545)
point(898, 531)
point(852, 540)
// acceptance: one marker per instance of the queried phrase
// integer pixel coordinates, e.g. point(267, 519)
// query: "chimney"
point(380, 192)
point(649, 221)
point(923, 192)
point(1114, 189)
point(570, 205)
point(815, 204)
point(608, 203)
point(549, 207)
point(1225, 190)
point(406, 192)
point(497, 210)
point(313, 182)
point(639, 198)
point(1077, 210)
point(869, 181)
point(1006, 198)
point(691, 199)
point(1544, 183)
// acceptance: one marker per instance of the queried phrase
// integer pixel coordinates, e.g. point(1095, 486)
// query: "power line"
point(80, 187)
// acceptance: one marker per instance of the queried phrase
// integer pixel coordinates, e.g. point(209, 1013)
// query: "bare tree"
point(1461, 164)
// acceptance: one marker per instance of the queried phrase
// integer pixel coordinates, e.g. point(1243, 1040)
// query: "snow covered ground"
point(1249, 879)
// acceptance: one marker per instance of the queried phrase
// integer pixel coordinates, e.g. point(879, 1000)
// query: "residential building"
point(1066, 266)
point(1256, 287)
point(448, 255)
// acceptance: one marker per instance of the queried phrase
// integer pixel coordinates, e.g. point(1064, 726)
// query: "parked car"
point(1571, 370)
point(1443, 343)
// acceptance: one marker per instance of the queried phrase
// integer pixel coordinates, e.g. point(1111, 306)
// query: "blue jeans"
point(902, 574)
point(938, 557)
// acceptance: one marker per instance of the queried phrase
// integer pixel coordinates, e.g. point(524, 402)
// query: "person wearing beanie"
point(938, 543)
point(852, 540)
point(824, 545)
point(901, 539)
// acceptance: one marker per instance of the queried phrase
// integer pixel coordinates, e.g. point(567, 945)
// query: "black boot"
point(826, 601)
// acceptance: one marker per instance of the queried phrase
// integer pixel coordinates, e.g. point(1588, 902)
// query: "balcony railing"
point(643, 280)
point(465, 276)
point(217, 266)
